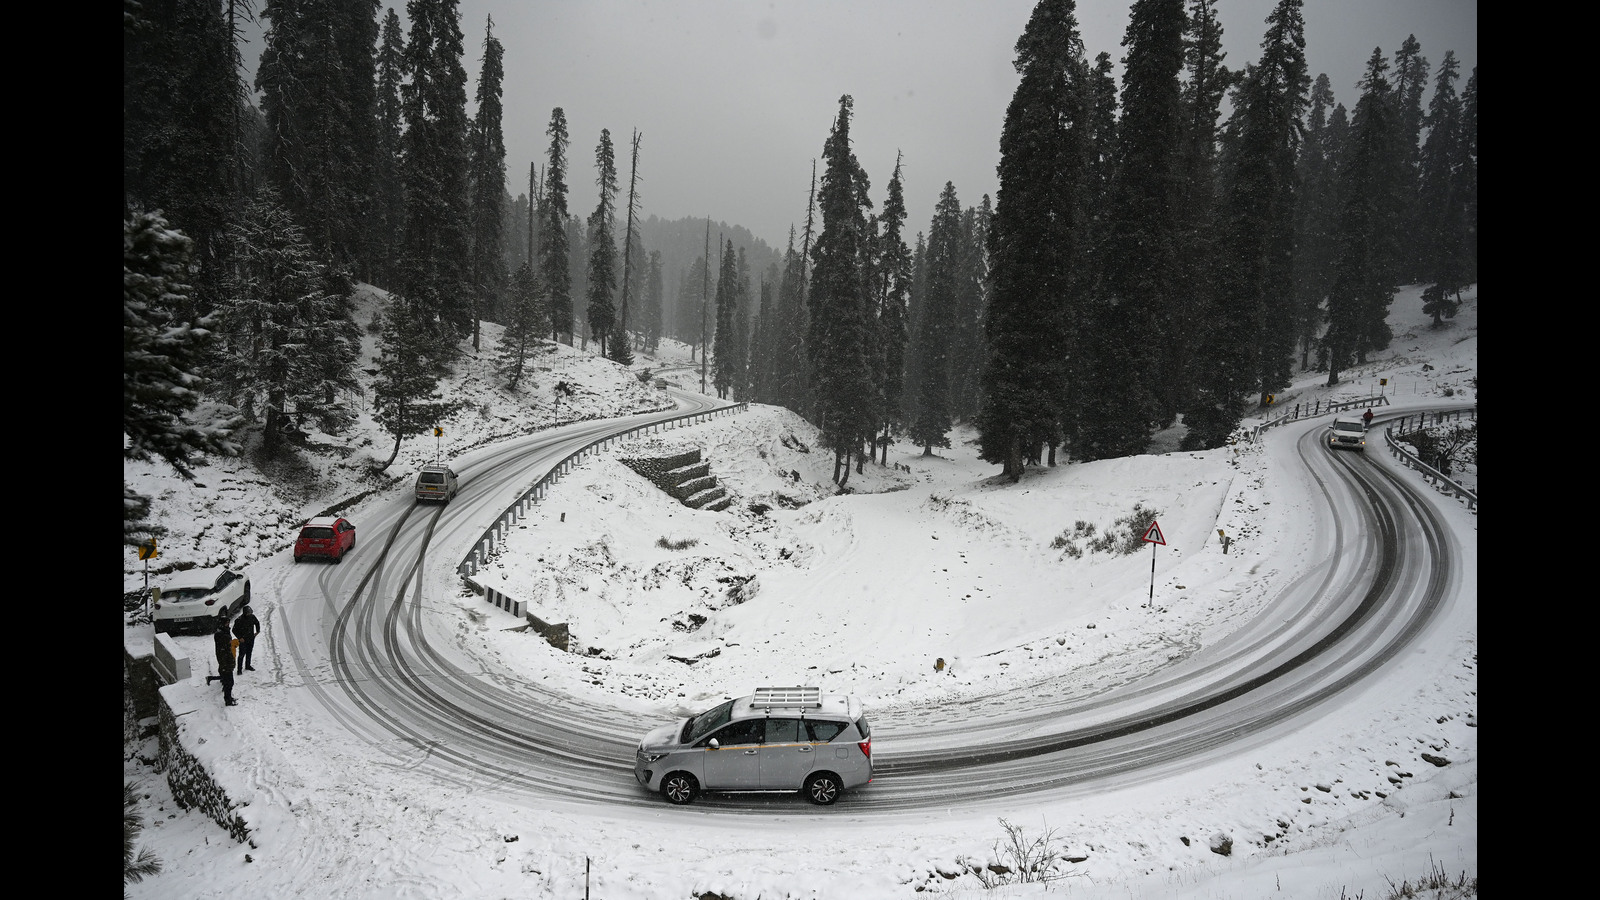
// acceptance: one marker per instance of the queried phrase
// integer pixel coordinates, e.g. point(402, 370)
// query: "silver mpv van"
point(778, 739)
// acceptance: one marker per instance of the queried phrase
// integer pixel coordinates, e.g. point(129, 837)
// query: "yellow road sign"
point(147, 550)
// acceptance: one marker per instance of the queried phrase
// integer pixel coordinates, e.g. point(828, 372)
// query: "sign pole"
point(1152, 602)
point(1152, 536)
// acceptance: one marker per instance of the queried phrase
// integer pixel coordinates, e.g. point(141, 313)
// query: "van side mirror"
point(713, 744)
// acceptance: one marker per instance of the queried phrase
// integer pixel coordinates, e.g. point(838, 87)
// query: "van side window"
point(783, 731)
point(748, 731)
point(823, 730)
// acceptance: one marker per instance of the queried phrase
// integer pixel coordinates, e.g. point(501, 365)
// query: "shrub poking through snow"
point(1020, 859)
point(1125, 536)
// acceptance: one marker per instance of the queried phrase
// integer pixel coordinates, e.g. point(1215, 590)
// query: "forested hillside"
point(1165, 251)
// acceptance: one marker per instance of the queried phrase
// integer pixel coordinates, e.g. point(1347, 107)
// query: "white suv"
point(190, 600)
point(777, 739)
point(1347, 434)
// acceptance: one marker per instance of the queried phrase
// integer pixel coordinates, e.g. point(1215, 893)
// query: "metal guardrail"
point(1315, 409)
point(493, 536)
point(1419, 422)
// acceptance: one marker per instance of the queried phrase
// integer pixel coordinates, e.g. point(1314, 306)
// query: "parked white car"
point(190, 600)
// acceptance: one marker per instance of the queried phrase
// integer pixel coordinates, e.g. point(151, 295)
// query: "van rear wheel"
point(823, 788)
point(680, 788)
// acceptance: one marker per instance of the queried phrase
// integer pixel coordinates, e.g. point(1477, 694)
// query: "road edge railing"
point(1316, 408)
point(1419, 422)
point(494, 536)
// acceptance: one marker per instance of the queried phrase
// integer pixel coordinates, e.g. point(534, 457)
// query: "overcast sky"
point(734, 99)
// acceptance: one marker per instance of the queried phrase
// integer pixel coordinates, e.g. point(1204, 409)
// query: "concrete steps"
point(686, 477)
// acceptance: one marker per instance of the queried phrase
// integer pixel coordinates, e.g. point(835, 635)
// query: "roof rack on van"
point(787, 697)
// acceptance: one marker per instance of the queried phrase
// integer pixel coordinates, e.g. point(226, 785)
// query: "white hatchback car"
point(190, 600)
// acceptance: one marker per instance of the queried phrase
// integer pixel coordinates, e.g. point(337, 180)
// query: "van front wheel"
point(679, 788)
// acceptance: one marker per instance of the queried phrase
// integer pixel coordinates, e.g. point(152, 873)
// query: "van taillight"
point(866, 747)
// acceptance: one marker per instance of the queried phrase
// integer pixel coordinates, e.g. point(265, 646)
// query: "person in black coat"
point(245, 628)
point(224, 641)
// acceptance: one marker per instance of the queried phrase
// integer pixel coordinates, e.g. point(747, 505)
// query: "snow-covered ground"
point(933, 558)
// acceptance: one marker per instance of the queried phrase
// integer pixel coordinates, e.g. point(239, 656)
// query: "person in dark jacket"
point(245, 628)
point(224, 642)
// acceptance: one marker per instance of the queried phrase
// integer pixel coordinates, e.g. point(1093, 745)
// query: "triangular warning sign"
point(1153, 534)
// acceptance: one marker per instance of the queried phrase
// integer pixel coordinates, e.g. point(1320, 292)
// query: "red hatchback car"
point(330, 536)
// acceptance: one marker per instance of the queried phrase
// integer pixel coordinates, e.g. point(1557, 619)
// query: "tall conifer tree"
point(389, 210)
point(930, 426)
point(1248, 343)
point(1037, 246)
point(438, 242)
point(487, 144)
point(554, 248)
point(1130, 316)
point(1364, 280)
point(894, 289)
point(181, 98)
point(839, 341)
point(602, 243)
point(725, 347)
point(1443, 197)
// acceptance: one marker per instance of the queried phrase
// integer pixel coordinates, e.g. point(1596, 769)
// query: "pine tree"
point(161, 359)
point(1037, 246)
point(966, 331)
point(1248, 344)
point(1129, 319)
point(320, 100)
point(405, 398)
point(1103, 136)
point(524, 327)
point(1316, 219)
point(1468, 168)
point(554, 263)
point(791, 374)
point(621, 347)
point(289, 339)
point(389, 211)
point(602, 244)
point(136, 866)
point(724, 351)
point(654, 314)
point(1410, 79)
point(181, 102)
point(488, 153)
point(1364, 280)
point(1206, 83)
point(931, 425)
point(894, 289)
point(1443, 199)
point(434, 276)
point(839, 341)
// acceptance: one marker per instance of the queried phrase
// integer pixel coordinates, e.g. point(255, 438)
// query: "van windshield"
point(699, 726)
